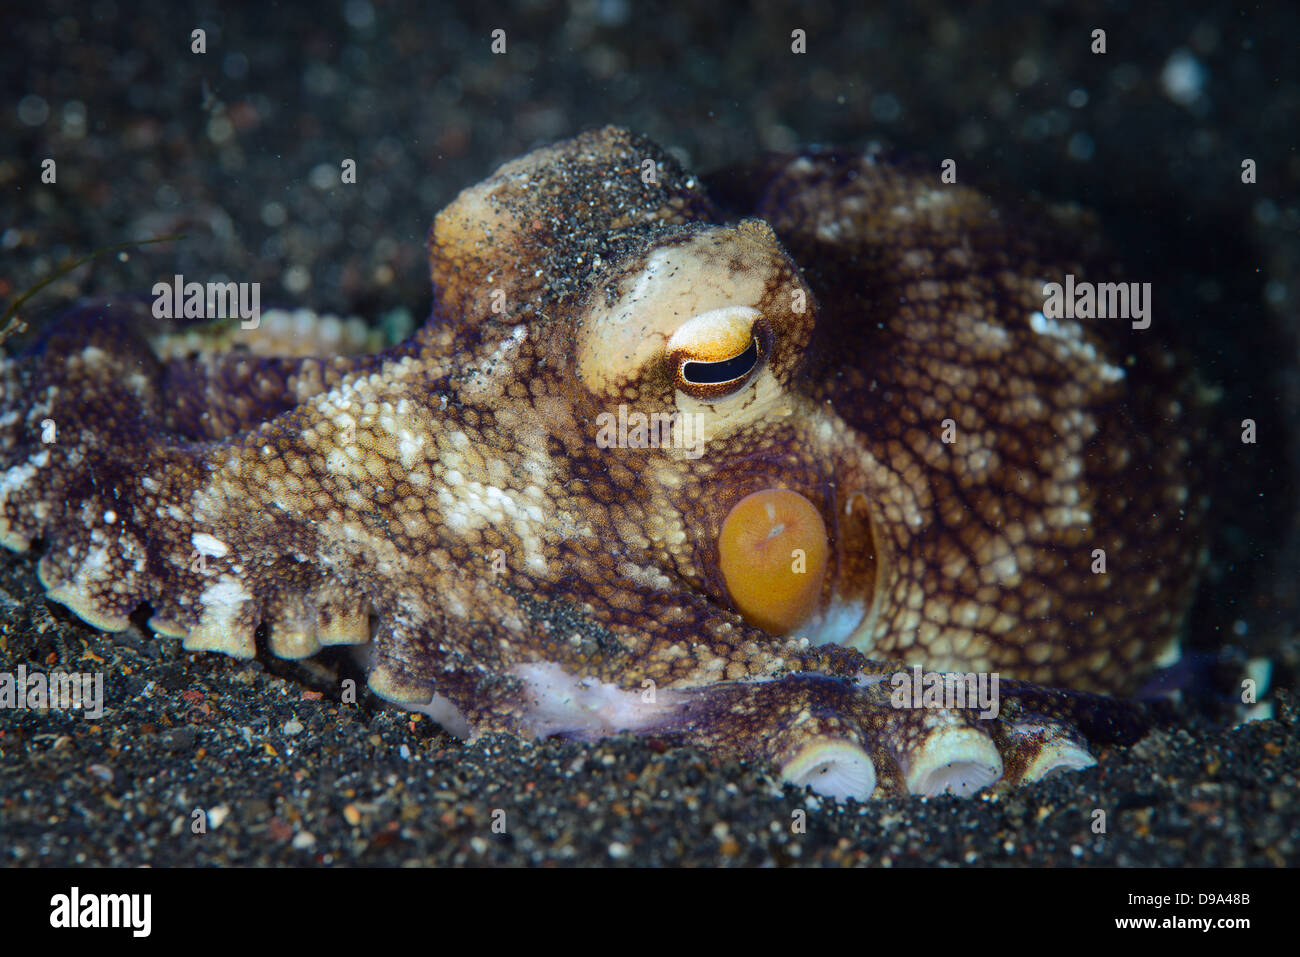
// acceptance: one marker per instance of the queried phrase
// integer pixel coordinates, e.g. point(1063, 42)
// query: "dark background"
point(239, 148)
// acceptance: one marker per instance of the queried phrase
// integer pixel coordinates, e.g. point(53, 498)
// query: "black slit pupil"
point(711, 373)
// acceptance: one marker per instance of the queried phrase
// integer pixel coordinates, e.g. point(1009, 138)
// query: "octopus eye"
point(772, 553)
point(715, 353)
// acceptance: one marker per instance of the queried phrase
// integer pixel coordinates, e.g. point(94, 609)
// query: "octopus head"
point(707, 327)
point(641, 307)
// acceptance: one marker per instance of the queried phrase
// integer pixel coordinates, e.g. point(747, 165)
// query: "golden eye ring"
point(714, 354)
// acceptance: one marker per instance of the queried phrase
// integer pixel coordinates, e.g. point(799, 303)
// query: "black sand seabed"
point(151, 139)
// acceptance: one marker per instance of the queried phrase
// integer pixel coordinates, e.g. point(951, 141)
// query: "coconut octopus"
point(705, 466)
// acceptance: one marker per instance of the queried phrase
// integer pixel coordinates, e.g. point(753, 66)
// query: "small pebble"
point(178, 740)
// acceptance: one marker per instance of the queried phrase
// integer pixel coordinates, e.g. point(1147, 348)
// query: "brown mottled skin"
point(345, 499)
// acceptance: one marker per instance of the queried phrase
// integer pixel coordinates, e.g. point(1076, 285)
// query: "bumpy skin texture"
point(448, 500)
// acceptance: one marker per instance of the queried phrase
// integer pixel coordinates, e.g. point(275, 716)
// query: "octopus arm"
point(105, 462)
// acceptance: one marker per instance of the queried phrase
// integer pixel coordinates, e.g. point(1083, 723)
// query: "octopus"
point(777, 464)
